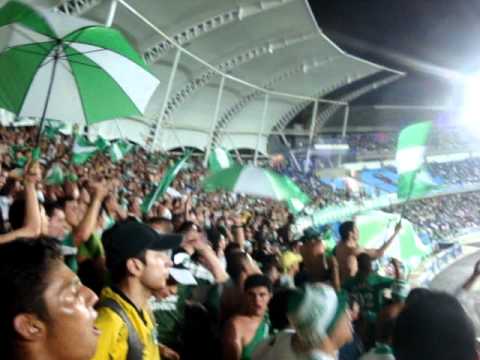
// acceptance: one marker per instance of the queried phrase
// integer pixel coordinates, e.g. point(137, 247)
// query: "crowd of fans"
point(463, 172)
point(442, 138)
point(88, 274)
point(441, 218)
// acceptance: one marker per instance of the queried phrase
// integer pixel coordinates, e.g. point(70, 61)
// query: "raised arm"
point(378, 253)
point(32, 225)
point(87, 225)
point(210, 260)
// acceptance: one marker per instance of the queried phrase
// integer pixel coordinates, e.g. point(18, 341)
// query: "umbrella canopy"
point(66, 68)
point(255, 181)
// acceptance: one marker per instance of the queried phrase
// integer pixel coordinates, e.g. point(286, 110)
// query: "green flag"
point(297, 200)
point(163, 185)
point(52, 129)
point(83, 150)
point(119, 150)
point(219, 159)
point(102, 144)
point(412, 144)
point(55, 176)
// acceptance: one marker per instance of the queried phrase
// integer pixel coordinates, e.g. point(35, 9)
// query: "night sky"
point(428, 39)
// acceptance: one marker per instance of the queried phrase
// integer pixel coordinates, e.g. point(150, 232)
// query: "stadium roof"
point(238, 61)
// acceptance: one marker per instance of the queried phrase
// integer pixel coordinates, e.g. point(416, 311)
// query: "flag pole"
point(409, 195)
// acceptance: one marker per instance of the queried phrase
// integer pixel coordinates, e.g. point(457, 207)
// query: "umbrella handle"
point(47, 100)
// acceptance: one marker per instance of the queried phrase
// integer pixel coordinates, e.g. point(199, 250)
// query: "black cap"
point(127, 239)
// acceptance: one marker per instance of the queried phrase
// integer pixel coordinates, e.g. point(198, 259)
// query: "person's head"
point(161, 225)
point(239, 267)
point(56, 220)
point(217, 239)
point(320, 317)
point(258, 291)
point(135, 206)
point(416, 294)
point(348, 231)
point(278, 307)
point(312, 247)
point(135, 252)
point(364, 264)
point(45, 310)
point(434, 326)
point(272, 268)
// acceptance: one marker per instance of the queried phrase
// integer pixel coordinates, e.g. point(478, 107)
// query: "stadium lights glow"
point(470, 111)
point(331, 147)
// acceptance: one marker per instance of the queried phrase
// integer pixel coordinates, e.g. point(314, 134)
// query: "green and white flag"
point(256, 181)
point(83, 150)
point(412, 145)
point(55, 175)
point(376, 227)
point(102, 144)
point(52, 129)
point(163, 185)
point(119, 150)
point(219, 159)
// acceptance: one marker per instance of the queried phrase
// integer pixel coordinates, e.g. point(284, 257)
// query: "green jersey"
point(368, 292)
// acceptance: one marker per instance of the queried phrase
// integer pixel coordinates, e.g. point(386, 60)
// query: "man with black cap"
point(138, 261)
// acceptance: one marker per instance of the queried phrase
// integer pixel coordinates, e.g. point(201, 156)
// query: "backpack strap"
point(135, 346)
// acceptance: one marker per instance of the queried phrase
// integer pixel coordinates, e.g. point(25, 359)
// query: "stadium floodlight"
point(470, 110)
point(336, 147)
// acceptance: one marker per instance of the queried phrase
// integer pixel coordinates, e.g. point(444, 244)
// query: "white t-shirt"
point(279, 347)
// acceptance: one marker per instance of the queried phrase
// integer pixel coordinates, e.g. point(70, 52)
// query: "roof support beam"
point(111, 13)
point(214, 120)
point(310, 135)
point(173, 72)
point(262, 129)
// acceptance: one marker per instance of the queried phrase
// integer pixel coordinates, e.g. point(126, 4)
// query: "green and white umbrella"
point(67, 68)
point(255, 181)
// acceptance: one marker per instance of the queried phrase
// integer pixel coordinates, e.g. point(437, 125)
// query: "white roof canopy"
point(247, 48)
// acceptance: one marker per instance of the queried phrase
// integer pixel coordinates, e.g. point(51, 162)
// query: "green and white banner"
point(377, 226)
point(413, 179)
point(219, 159)
point(164, 184)
point(119, 150)
point(83, 150)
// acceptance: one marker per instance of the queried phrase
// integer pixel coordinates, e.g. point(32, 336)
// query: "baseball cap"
point(127, 239)
point(315, 310)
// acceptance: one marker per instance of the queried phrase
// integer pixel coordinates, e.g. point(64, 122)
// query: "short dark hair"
point(416, 294)
point(119, 272)
point(364, 263)
point(278, 309)
point(24, 269)
point(50, 207)
point(435, 326)
point(258, 280)
point(236, 265)
point(345, 229)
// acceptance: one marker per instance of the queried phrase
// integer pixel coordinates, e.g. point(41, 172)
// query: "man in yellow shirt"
point(138, 261)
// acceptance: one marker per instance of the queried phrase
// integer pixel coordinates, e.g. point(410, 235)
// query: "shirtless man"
point(244, 332)
point(348, 249)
